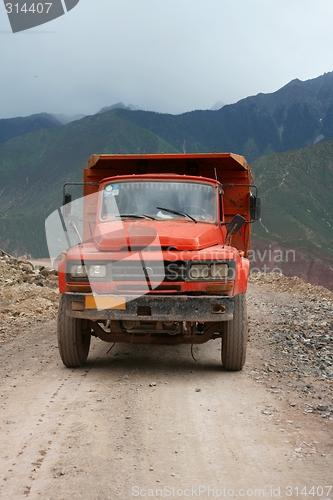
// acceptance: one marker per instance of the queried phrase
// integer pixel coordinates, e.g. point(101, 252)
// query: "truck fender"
point(242, 276)
point(62, 275)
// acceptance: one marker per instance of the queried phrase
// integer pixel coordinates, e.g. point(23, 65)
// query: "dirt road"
point(150, 422)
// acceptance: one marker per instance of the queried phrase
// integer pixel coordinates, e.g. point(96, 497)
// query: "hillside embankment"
point(139, 421)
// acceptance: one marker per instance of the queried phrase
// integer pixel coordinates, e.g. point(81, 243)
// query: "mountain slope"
point(34, 168)
point(298, 115)
point(297, 213)
point(296, 192)
point(14, 127)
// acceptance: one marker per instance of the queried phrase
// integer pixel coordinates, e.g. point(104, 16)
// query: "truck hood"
point(180, 235)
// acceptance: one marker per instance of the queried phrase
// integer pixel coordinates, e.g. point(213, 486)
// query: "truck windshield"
point(144, 199)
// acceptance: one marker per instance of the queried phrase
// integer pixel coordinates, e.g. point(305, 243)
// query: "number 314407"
point(38, 8)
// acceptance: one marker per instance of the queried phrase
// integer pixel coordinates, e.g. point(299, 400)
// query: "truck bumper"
point(200, 309)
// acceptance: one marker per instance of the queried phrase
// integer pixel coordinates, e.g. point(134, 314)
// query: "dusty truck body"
point(162, 258)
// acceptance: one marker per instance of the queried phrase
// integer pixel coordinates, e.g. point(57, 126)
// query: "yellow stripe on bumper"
point(108, 302)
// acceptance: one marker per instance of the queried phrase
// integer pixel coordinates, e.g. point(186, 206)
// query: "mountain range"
point(287, 136)
point(297, 115)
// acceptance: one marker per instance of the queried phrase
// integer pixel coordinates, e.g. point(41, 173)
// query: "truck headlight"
point(97, 271)
point(219, 270)
point(78, 271)
point(199, 271)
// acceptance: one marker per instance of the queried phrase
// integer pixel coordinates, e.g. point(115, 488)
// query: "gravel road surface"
point(150, 422)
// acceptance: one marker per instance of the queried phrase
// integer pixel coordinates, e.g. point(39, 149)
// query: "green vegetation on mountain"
point(34, 168)
point(14, 127)
point(297, 203)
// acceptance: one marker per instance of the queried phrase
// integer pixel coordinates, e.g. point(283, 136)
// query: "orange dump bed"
point(228, 168)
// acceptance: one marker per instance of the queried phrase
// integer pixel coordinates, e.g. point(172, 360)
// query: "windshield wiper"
point(135, 216)
point(183, 214)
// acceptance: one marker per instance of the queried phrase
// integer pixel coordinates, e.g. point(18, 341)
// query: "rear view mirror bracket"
point(255, 204)
point(67, 197)
point(234, 226)
point(255, 208)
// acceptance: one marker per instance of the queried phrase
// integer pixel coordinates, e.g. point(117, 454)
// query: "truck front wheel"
point(234, 337)
point(73, 338)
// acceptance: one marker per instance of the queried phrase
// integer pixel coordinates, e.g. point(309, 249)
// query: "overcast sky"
point(169, 56)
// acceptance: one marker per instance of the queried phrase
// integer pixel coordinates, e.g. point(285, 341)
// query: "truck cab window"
point(143, 198)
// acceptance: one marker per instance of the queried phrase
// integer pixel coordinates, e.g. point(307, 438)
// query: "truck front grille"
point(169, 271)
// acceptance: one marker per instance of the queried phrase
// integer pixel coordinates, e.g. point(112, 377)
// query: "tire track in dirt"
point(34, 403)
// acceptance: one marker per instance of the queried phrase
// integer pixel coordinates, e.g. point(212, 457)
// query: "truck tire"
point(234, 337)
point(73, 339)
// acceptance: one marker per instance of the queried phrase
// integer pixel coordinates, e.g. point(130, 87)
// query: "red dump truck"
point(161, 256)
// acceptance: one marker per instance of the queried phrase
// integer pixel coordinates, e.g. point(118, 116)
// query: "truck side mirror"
point(255, 208)
point(67, 204)
point(235, 224)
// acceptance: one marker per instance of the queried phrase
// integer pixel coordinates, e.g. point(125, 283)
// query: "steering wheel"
point(206, 214)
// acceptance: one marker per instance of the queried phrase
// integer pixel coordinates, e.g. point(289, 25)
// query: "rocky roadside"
point(28, 294)
point(291, 327)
